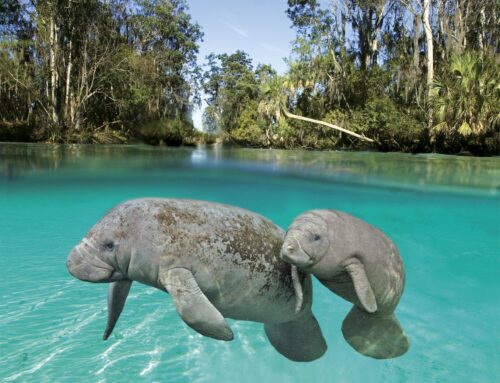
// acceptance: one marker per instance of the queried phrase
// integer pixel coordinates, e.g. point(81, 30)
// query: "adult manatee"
point(214, 260)
point(359, 263)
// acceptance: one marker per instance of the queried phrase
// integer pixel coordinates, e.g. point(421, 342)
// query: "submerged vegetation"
point(390, 75)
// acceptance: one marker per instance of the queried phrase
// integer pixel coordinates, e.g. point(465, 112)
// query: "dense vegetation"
point(414, 76)
point(405, 75)
point(97, 71)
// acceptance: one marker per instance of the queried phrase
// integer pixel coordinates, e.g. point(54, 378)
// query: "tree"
point(273, 106)
point(91, 69)
point(319, 57)
point(466, 98)
point(426, 5)
point(230, 83)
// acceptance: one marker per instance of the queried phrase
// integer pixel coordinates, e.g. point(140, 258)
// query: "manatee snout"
point(292, 252)
point(82, 265)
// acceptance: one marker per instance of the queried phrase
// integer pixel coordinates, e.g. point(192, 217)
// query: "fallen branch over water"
point(319, 122)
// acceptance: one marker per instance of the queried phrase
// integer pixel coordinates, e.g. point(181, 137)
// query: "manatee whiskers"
point(86, 265)
point(297, 242)
point(87, 242)
point(94, 260)
point(78, 251)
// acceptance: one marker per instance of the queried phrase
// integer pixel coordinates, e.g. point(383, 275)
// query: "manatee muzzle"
point(86, 266)
point(292, 253)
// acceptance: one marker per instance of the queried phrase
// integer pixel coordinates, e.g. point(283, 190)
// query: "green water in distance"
point(441, 211)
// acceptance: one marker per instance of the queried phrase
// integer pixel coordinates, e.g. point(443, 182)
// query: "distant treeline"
point(412, 75)
point(97, 71)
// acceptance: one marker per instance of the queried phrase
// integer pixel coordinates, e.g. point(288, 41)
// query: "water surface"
point(442, 212)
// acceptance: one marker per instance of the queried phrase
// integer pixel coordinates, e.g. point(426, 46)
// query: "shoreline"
point(237, 146)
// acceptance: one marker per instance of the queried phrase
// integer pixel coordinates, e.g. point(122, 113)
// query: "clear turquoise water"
point(442, 212)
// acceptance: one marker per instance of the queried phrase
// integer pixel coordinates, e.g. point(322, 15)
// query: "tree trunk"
point(416, 45)
point(342, 37)
point(364, 46)
point(482, 20)
point(53, 69)
point(318, 122)
point(414, 84)
point(430, 55)
point(82, 89)
point(461, 15)
point(67, 99)
point(442, 35)
point(374, 38)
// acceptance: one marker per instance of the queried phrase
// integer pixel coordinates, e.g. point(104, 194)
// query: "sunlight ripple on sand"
point(36, 367)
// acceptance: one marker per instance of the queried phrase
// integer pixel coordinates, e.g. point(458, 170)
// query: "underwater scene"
point(442, 212)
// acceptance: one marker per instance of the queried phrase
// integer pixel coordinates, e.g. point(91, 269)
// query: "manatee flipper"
point(192, 304)
point(117, 295)
point(361, 284)
point(299, 291)
point(379, 336)
point(300, 340)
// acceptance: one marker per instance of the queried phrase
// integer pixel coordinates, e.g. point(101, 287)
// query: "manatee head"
point(307, 242)
point(104, 254)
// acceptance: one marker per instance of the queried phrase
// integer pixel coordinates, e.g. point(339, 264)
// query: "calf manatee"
point(215, 261)
point(362, 265)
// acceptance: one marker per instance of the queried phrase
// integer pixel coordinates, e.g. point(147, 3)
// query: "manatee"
point(359, 263)
point(215, 261)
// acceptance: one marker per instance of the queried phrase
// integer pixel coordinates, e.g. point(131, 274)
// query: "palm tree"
point(276, 91)
point(466, 98)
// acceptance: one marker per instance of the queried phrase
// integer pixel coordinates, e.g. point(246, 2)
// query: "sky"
point(258, 27)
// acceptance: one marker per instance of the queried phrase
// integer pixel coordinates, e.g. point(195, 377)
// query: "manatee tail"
point(375, 335)
point(300, 340)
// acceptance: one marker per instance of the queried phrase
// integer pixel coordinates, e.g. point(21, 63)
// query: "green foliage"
point(91, 136)
point(466, 98)
point(250, 136)
point(375, 86)
point(205, 138)
point(122, 70)
point(94, 71)
point(12, 131)
point(230, 83)
point(248, 131)
point(466, 102)
point(273, 98)
point(393, 129)
point(171, 132)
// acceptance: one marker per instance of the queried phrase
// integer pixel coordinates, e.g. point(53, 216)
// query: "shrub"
point(171, 132)
point(392, 128)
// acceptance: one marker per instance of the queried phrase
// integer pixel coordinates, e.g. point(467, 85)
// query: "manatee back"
point(233, 254)
point(378, 253)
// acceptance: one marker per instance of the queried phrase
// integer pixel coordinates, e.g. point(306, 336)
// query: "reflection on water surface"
point(400, 170)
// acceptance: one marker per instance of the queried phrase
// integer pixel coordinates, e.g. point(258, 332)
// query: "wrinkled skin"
point(214, 260)
point(359, 263)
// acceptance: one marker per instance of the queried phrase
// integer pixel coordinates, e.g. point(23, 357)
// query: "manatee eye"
point(108, 245)
point(317, 237)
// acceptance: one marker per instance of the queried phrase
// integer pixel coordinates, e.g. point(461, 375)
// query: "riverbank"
point(184, 134)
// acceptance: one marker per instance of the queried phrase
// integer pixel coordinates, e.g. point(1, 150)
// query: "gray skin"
point(214, 260)
point(361, 264)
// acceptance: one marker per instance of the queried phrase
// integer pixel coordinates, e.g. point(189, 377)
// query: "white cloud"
point(235, 29)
